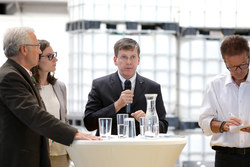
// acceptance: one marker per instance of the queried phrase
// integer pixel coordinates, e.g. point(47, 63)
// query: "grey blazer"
point(61, 93)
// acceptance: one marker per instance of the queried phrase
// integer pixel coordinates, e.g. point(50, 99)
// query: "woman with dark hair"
point(53, 93)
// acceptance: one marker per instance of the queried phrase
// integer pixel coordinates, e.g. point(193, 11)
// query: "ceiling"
point(34, 1)
point(8, 7)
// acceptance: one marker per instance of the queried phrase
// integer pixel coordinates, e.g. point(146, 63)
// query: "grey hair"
point(14, 38)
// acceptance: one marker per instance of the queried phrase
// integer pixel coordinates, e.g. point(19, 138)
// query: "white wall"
point(49, 23)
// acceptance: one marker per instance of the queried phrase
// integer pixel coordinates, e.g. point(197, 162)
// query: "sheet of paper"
point(237, 128)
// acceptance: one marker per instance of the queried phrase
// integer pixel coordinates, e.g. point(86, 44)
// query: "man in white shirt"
point(226, 104)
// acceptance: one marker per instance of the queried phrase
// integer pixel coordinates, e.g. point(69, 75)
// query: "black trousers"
point(231, 160)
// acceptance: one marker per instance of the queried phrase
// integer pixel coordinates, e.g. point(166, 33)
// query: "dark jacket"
point(106, 90)
point(24, 123)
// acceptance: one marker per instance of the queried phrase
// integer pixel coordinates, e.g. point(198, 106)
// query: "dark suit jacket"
point(24, 123)
point(106, 90)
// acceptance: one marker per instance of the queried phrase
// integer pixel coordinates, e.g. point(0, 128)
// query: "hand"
point(85, 136)
point(50, 142)
point(245, 130)
point(232, 121)
point(138, 114)
point(125, 98)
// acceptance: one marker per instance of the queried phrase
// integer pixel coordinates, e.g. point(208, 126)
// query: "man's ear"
point(115, 60)
point(23, 50)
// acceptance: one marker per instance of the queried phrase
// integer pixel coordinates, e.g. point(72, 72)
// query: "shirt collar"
point(132, 79)
point(230, 80)
point(28, 71)
point(248, 77)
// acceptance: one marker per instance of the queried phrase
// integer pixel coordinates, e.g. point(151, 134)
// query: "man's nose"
point(129, 60)
point(238, 69)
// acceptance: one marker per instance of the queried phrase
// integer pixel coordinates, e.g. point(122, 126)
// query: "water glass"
point(142, 126)
point(121, 125)
point(105, 125)
point(130, 127)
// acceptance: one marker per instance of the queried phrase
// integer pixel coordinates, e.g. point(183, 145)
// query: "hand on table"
point(50, 142)
point(85, 136)
point(245, 130)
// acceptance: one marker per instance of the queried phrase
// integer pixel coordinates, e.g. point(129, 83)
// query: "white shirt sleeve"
point(208, 109)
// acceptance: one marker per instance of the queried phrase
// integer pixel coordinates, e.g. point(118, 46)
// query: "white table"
point(137, 152)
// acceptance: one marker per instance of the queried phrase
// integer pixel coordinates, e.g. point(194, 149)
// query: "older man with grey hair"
point(24, 123)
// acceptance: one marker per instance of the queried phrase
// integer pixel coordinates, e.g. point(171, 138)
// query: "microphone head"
point(127, 85)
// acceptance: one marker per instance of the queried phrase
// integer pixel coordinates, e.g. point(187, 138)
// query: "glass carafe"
point(151, 118)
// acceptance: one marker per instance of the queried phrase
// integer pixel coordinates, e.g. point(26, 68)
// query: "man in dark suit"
point(24, 122)
point(108, 97)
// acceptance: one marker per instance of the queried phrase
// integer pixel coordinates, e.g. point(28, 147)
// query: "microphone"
point(127, 86)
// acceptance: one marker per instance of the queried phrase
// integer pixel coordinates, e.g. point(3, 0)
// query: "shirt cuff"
point(205, 125)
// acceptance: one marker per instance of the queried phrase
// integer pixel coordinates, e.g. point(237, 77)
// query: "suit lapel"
point(58, 93)
point(116, 85)
point(59, 96)
point(139, 89)
point(26, 76)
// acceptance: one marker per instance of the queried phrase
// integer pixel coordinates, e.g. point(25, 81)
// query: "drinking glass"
point(130, 128)
point(121, 125)
point(105, 127)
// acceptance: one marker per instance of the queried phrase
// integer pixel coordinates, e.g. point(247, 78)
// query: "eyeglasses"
point(37, 46)
point(242, 67)
point(50, 56)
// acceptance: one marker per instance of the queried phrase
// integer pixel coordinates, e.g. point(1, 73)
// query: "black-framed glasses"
point(50, 56)
point(37, 46)
point(241, 66)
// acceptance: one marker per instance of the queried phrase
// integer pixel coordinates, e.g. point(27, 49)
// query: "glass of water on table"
point(121, 125)
point(142, 126)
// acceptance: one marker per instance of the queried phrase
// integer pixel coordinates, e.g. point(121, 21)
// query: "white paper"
point(237, 128)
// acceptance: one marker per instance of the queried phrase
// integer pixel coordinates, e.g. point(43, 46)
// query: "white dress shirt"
point(132, 80)
point(222, 97)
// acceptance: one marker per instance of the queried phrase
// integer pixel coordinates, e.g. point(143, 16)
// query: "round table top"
point(163, 139)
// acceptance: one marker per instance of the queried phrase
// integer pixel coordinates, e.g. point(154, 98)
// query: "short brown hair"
point(126, 44)
point(233, 45)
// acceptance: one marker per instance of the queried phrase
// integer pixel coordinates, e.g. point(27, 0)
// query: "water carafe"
point(151, 118)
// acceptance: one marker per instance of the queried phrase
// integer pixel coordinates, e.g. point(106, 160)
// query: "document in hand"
point(237, 128)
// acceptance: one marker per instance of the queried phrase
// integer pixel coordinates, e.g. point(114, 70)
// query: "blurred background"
point(179, 42)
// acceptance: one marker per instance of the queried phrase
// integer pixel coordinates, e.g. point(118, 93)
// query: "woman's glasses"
point(50, 56)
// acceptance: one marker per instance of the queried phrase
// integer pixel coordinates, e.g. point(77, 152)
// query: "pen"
point(231, 114)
